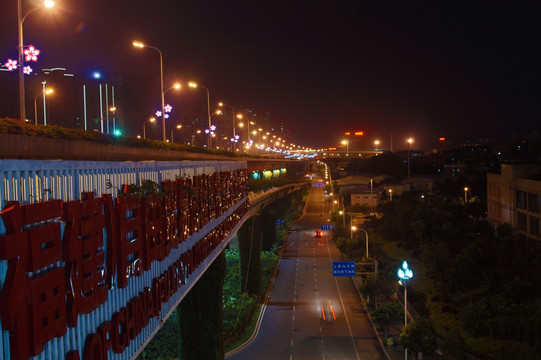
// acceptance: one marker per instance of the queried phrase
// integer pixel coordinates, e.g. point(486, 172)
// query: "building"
point(514, 197)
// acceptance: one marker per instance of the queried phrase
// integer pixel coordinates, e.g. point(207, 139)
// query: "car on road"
point(318, 233)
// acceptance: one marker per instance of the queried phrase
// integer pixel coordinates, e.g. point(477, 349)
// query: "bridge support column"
point(249, 237)
point(200, 316)
point(268, 227)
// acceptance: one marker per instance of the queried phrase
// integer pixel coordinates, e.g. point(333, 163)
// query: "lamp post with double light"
point(405, 274)
point(141, 45)
point(20, 47)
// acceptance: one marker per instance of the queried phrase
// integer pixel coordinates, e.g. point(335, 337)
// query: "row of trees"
point(482, 288)
point(479, 289)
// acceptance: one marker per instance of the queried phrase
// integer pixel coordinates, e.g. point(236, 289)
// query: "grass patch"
point(244, 334)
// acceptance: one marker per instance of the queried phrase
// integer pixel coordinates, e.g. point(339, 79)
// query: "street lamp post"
point(346, 142)
point(232, 119)
point(44, 93)
point(141, 45)
point(176, 127)
point(391, 194)
point(144, 124)
point(366, 235)
point(20, 20)
point(466, 195)
point(352, 228)
point(405, 274)
point(195, 85)
point(409, 141)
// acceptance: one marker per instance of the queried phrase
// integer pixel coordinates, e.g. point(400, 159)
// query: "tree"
point(375, 286)
point(419, 337)
point(387, 313)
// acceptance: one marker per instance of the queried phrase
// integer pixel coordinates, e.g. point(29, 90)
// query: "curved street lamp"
point(140, 45)
point(44, 93)
point(144, 124)
point(194, 85)
point(20, 20)
point(176, 127)
point(221, 104)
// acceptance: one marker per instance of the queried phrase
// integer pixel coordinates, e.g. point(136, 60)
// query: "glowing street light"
point(346, 142)
point(409, 141)
point(221, 104)
point(405, 274)
point(353, 228)
point(466, 194)
point(20, 20)
point(194, 85)
point(44, 93)
point(176, 127)
point(141, 45)
point(144, 124)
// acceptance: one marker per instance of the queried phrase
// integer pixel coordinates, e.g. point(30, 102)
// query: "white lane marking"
point(344, 308)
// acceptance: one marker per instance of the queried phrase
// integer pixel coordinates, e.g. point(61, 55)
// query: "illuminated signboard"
point(359, 133)
point(442, 139)
point(94, 278)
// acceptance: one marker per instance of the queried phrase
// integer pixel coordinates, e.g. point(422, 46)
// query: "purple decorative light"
point(168, 108)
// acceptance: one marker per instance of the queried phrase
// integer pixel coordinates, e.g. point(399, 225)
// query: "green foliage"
point(165, 344)
point(376, 286)
point(479, 285)
point(387, 314)
point(419, 336)
point(12, 126)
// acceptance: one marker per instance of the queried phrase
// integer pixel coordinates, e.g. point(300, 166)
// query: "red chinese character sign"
point(71, 265)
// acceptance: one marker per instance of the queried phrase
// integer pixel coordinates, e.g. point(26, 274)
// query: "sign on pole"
point(343, 268)
point(327, 227)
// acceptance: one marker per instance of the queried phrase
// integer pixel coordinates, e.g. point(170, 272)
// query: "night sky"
point(425, 69)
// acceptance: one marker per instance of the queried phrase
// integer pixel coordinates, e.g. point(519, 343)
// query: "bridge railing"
point(30, 182)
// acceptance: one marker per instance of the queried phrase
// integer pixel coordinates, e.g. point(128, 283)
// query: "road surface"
point(311, 314)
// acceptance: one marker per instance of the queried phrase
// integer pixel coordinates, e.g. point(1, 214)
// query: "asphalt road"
point(311, 314)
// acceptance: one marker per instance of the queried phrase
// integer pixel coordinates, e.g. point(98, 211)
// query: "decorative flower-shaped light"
point(158, 113)
point(212, 128)
point(166, 116)
point(31, 53)
point(27, 70)
point(11, 64)
point(168, 108)
point(405, 273)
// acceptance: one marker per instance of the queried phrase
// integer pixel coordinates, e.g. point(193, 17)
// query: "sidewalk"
point(393, 352)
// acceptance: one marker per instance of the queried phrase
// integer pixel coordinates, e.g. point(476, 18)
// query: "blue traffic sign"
point(280, 222)
point(327, 227)
point(343, 268)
